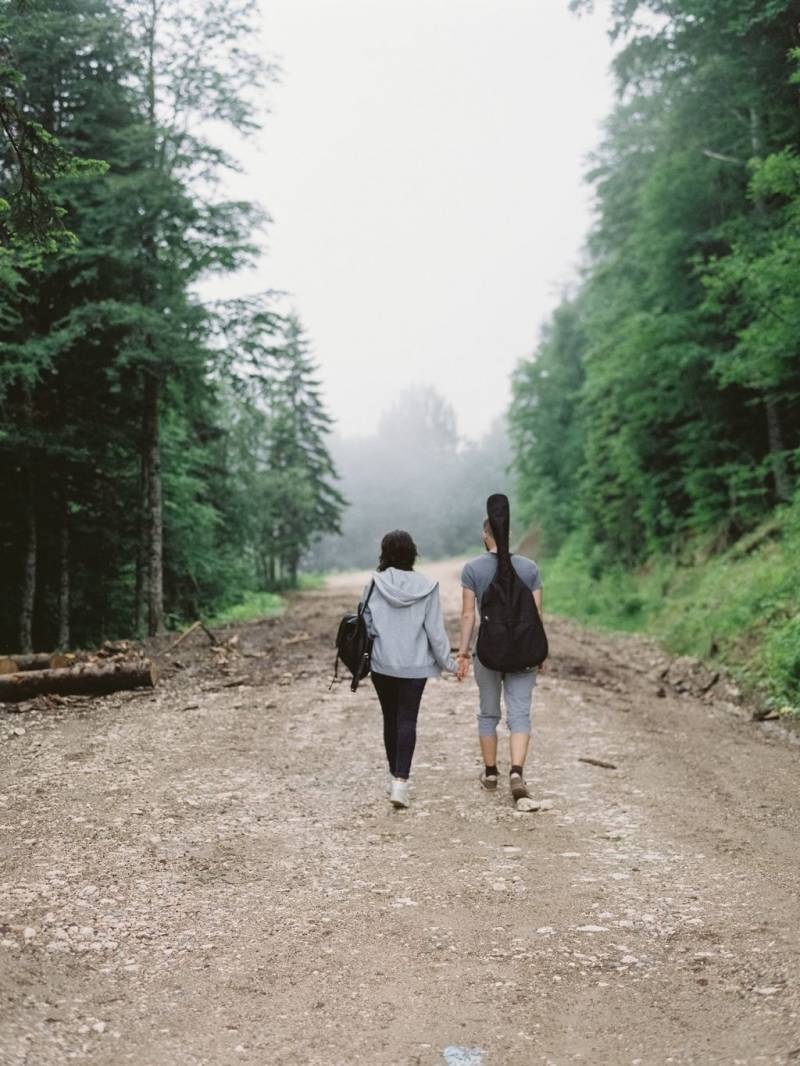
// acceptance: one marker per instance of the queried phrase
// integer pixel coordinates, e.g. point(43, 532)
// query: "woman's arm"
point(437, 634)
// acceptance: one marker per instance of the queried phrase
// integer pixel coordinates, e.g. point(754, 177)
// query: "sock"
point(516, 770)
point(491, 771)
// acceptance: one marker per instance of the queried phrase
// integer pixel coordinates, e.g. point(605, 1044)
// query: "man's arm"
point(467, 627)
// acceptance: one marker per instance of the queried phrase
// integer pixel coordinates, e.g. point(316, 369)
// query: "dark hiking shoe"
point(523, 800)
point(488, 781)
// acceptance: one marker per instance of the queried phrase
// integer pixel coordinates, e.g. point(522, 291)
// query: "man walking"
point(517, 688)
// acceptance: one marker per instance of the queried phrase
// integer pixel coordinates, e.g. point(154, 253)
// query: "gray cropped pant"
point(517, 689)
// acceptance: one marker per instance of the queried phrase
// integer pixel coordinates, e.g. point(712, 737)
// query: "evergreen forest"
point(159, 453)
point(656, 430)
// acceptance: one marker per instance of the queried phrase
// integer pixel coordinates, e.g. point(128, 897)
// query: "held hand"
point(463, 666)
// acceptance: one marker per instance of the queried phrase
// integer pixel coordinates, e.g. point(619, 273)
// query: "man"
point(517, 688)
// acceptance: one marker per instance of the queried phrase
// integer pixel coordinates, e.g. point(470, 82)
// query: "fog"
point(423, 165)
point(414, 473)
point(423, 162)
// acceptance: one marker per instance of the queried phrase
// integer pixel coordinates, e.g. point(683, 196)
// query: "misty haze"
point(414, 472)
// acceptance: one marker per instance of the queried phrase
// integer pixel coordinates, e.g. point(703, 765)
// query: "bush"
point(741, 608)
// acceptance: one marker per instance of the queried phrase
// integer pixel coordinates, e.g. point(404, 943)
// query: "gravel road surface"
point(211, 873)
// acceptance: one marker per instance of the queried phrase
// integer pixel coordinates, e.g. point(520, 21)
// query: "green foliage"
point(661, 410)
point(678, 386)
point(311, 582)
point(254, 606)
point(121, 394)
point(283, 477)
point(32, 158)
point(582, 586)
point(740, 607)
point(546, 429)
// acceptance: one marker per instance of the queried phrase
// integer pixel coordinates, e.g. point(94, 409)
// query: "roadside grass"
point(740, 608)
point(311, 582)
point(254, 606)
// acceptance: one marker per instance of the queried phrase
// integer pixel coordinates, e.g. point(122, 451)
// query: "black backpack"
point(511, 637)
point(354, 645)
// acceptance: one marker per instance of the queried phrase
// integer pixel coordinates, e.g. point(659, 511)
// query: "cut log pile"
point(113, 667)
point(11, 664)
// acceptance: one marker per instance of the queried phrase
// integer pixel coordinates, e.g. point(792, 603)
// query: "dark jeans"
point(400, 699)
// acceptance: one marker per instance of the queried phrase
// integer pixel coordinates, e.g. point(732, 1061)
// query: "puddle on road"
point(463, 1056)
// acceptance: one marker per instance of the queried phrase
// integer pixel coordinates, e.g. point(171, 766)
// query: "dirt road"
point(211, 873)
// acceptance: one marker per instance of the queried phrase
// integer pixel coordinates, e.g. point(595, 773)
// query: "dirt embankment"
point(211, 873)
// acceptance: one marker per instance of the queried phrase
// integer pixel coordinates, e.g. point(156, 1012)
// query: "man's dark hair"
point(397, 550)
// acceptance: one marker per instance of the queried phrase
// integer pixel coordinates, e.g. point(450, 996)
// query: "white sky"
point(423, 165)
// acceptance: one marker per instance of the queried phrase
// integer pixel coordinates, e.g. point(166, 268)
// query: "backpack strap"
point(335, 677)
point(363, 606)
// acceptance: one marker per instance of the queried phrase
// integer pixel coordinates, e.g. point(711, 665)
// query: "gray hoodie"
point(404, 616)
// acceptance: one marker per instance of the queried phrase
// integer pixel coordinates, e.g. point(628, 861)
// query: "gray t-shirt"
point(478, 573)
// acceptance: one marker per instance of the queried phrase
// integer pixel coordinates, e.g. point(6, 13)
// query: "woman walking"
point(404, 618)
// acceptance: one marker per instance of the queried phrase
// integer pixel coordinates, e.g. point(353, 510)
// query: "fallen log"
point(51, 660)
point(86, 679)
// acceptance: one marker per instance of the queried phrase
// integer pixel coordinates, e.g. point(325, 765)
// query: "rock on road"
point(211, 873)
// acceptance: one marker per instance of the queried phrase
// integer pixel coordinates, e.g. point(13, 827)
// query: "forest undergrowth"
point(739, 608)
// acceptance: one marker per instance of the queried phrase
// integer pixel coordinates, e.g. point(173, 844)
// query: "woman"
point(404, 618)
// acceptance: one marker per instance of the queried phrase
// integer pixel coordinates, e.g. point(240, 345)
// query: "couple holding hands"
point(403, 615)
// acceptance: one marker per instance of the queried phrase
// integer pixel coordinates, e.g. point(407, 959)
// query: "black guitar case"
point(511, 637)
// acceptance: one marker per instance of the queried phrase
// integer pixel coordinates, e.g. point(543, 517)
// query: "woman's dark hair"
point(397, 550)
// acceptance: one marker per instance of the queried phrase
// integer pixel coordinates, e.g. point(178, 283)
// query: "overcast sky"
point(423, 165)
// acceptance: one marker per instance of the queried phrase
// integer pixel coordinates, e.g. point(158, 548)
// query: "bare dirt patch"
point(211, 873)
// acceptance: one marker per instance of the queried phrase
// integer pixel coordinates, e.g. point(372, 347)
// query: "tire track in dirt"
point(212, 874)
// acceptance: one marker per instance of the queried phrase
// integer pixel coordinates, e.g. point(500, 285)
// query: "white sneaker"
point(399, 793)
point(389, 784)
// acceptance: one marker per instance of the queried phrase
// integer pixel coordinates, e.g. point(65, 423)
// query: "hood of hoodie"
point(402, 588)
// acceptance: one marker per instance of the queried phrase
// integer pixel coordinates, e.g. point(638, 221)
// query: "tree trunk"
point(150, 46)
point(88, 679)
point(777, 453)
point(29, 571)
point(756, 133)
point(63, 579)
point(154, 517)
point(140, 595)
point(12, 664)
point(780, 470)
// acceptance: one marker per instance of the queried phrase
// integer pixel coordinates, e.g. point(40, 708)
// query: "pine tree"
point(290, 495)
point(194, 69)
